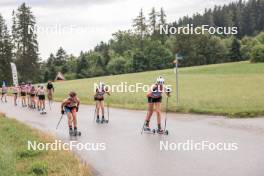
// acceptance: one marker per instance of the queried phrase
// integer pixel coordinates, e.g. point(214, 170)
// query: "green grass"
point(231, 89)
point(15, 159)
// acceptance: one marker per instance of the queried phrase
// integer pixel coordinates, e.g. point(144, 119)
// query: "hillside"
point(232, 89)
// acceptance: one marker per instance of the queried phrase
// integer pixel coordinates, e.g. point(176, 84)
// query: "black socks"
point(147, 123)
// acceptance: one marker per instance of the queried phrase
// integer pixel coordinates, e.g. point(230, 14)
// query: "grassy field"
point(231, 89)
point(15, 159)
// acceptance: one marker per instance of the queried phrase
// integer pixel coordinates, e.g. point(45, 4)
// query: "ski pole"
point(95, 110)
point(166, 113)
point(59, 121)
point(108, 110)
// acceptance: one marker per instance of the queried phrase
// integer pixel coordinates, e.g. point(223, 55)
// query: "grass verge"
point(16, 159)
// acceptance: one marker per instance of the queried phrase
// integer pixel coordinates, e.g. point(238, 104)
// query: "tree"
point(61, 57)
point(247, 44)
point(123, 41)
point(117, 65)
point(159, 57)
point(5, 52)
point(140, 27)
point(153, 21)
point(234, 53)
point(162, 22)
point(82, 65)
point(26, 45)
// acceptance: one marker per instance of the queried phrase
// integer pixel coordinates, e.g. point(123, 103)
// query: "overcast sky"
point(81, 24)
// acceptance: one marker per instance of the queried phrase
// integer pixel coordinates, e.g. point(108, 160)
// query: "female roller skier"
point(23, 93)
point(71, 106)
point(154, 97)
point(99, 99)
point(16, 90)
point(41, 96)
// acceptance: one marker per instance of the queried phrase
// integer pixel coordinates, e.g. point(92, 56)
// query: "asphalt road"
point(128, 153)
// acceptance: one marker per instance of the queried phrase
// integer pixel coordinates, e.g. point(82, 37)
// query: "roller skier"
point(70, 106)
point(154, 97)
point(99, 100)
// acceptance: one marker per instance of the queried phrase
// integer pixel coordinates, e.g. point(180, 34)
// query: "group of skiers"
point(35, 97)
point(31, 96)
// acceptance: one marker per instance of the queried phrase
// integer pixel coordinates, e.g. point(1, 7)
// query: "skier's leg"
point(69, 115)
point(102, 109)
point(97, 109)
point(74, 118)
point(158, 110)
point(5, 97)
point(149, 114)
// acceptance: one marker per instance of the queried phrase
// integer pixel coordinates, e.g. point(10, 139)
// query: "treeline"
point(139, 49)
point(248, 16)
point(19, 46)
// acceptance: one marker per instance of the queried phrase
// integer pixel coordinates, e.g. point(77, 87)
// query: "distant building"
point(59, 77)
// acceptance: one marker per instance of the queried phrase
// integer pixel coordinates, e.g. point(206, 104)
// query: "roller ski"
point(102, 121)
point(74, 132)
point(147, 129)
point(161, 131)
point(43, 112)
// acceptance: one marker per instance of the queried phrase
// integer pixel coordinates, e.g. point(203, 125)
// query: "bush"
point(117, 65)
point(257, 53)
point(248, 44)
point(260, 38)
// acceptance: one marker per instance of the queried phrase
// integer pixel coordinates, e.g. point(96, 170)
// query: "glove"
point(62, 112)
point(77, 109)
point(168, 90)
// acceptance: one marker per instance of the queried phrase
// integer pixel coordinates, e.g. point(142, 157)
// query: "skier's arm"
point(78, 104)
point(62, 106)
point(107, 91)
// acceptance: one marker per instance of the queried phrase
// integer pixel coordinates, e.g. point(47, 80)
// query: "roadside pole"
point(177, 80)
point(177, 58)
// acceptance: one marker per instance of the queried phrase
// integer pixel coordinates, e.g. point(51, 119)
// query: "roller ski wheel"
point(104, 121)
point(149, 130)
point(75, 133)
point(158, 131)
point(43, 112)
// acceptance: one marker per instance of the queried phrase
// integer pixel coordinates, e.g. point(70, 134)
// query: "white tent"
point(59, 77)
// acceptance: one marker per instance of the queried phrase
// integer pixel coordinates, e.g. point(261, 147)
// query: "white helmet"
point(101, 85)
point(160, 80)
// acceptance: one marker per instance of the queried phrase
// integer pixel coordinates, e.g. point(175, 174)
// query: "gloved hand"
point(168, 90)
point(77, 108)
point(62, 112)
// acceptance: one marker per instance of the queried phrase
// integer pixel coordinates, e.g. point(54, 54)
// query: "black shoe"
point(75, 132)
point(146, 128)
point(103, 120)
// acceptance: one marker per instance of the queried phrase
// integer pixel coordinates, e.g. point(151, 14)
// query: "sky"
point(79, 25)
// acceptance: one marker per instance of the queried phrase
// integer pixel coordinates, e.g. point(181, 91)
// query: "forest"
point(140, 48)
